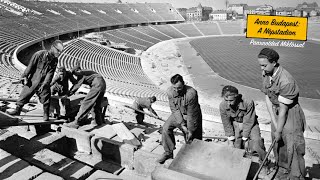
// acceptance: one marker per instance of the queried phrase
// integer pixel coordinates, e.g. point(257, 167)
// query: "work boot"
point(165, 156)
point(17, 111)
point(73, 124)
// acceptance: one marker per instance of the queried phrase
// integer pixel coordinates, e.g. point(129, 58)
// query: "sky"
point(216, 4)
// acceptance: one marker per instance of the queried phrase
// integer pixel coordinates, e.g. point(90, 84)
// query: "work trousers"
point(168, 140)
point(92, 102)
point(61, 106)
point(44, 97)
point(255, 141)
point(139, 115)
point(289, 151)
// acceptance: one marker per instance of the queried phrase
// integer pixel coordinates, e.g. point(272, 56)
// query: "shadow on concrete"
point(13, 168)
point(110, 153)
point(147, 127)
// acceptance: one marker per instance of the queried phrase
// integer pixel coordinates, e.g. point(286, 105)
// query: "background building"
point(198, 13)
point(221, 15)
point(263, 10)
point(238, 9)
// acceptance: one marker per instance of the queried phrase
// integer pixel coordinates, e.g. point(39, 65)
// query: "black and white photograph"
point(159, 90)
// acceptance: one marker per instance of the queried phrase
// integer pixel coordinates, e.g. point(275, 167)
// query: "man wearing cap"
point(93, 99)
point(185, 109)
point(37, 78)
point(60, 85)
point(287, 117)
point(240, 123)
point(141, 103)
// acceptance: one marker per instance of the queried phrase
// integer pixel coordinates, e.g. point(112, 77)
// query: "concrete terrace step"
point(14, 168)
point(34, 152)
point(60, 165)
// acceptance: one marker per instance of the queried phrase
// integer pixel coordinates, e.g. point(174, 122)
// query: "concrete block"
point(161, 173)
point(83, 138)
point(144, 162)
point(48, 176)
point(130, 174)
point(125, 134)
point(103, 175)
point(105, 131)
point(114, 151)
point(60, 165)
point(14, 168)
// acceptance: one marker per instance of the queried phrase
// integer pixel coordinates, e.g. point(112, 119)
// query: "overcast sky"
point(217, 4)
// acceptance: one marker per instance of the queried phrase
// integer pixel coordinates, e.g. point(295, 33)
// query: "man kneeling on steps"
point(93, 99)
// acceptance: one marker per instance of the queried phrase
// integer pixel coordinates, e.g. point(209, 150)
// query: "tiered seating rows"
point(187, 29)
point(208, 28)
point(169, 30)
point(140, 35)
point(130, 38)
point(234, 27)
point(116, 39)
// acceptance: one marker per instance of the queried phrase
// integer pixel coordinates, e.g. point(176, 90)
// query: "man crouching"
point(240, 123)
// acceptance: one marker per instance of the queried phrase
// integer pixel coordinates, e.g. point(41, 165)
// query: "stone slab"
point(125, 134)
point(199, 159)
point(144, 162)
point(161, 173)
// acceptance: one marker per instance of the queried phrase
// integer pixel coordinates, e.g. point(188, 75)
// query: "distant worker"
point(240, 123)
point(140, 104)
point(287, 117)
point(93, 99)
point(60, 86)
point(185, 110)
point(37, 78)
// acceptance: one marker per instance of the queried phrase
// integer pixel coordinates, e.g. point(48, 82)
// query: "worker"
point(185, 115)
point(287, 117)
point(93, 99)
point(240, 124)
point(140, 104)
point(60, 86)
point(37, 78)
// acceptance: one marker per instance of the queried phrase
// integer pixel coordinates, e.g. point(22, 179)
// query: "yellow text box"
point(277, 27)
